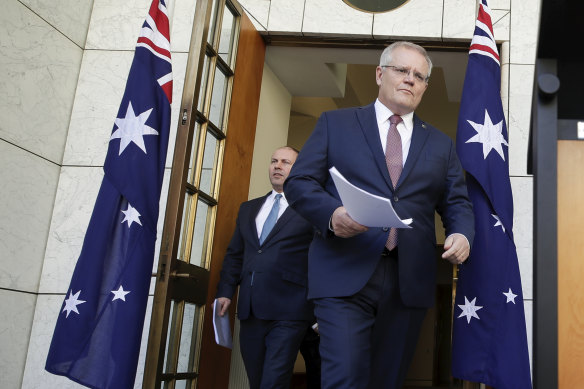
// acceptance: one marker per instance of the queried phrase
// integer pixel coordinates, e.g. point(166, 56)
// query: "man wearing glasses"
point(372, 286)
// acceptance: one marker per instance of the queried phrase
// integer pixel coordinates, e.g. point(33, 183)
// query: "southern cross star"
point(498, 223)
point(131, 215)
point(510, 296)
point(120, 294)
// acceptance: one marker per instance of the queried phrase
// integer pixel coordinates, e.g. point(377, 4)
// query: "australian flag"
point(97, 336)
point(489, 337)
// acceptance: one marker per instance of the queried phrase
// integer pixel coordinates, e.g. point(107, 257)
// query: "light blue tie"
point(272, 219)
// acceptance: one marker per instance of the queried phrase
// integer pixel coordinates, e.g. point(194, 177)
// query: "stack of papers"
point(365, 208)
point(221, 327)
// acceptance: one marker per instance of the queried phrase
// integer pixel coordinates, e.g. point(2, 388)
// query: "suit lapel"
point(282, 220)
point(419, 137)
point(368, 121)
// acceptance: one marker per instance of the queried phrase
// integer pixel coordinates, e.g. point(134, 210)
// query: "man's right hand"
point(224, 304)
point(343, 226)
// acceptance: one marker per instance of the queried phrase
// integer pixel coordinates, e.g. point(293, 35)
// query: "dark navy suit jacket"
point(272, 276)
point(432, 180)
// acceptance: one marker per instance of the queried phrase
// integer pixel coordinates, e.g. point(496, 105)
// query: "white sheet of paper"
point(221, 327)
point(365, 208)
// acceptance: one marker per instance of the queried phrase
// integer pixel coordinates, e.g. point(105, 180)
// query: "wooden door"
point(210, 178)
point(570, 263)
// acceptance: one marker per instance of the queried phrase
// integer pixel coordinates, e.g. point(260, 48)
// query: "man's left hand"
point(456, 249)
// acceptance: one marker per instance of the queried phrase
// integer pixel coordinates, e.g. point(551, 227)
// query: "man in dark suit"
point(372, 286)
point(267, 258)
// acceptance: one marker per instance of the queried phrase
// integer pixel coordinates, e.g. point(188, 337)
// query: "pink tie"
point(394, 160)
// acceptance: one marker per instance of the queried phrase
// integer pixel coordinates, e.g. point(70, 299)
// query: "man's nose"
point(409, 78)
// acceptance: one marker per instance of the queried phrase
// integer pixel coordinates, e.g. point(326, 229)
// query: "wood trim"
point(570, 264)
point(239, 144)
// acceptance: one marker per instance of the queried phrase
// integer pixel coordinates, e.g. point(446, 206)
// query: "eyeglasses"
point(403, 71)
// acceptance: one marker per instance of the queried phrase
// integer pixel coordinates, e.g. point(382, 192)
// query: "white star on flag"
point(132, 128)
point(72, 302)
point(120, 294)
point(469, 309)
point(490, 135)
point(510, 296)
point(131, 215)
point(498, 223)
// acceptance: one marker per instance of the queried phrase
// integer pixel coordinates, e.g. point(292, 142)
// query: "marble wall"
point(64, 66)
point(41, 46)
point(104, 56)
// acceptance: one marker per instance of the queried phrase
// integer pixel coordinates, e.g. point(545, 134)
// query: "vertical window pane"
point(199, 235)
point(226, 38)
point(212, 22)
point(168, 368)
point(185, 227)
point(209, 163)
point(188, 339)
point(203, 87)
point(192, 160)
point(218, 98)
point(182, 384)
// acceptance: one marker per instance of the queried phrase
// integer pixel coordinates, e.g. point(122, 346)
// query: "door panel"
point(214, 368)
point(570, 264)
point(213, 150)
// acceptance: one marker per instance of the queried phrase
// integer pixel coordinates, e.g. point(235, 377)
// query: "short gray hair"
point(385, 58)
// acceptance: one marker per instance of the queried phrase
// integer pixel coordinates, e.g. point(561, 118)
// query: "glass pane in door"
point(218, 98)
point(209, 164)
point(226, 38)
point(200, 234)
point(188, 338)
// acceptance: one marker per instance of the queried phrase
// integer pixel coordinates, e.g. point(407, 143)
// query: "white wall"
point(271, 130)
point(40, 56)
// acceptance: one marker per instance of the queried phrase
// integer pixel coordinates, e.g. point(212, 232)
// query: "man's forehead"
point(284, 153)
point(412, 54)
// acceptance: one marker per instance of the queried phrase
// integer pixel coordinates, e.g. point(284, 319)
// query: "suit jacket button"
point(395, 198)
point(259, 251)
point(385, 228)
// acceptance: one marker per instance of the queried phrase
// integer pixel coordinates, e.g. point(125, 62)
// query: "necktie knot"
point(395, 119)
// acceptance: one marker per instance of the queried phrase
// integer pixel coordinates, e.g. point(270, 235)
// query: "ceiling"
point(321, 79)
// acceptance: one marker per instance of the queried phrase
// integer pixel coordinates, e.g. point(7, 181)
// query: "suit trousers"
point(269, 349)
point(309, 350)
point(367, 340)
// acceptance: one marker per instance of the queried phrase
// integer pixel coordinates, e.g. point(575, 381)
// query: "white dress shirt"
point(267, 207)
point(405, 127)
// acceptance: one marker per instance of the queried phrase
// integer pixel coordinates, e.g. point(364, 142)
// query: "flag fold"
point(96, 341)
point(489, 342)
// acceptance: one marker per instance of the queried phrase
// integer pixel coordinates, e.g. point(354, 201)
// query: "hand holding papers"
point(365, 208)
point(221, 327)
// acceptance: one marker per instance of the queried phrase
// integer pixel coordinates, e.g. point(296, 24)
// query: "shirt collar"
point(273, 195)
point(382, 113)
